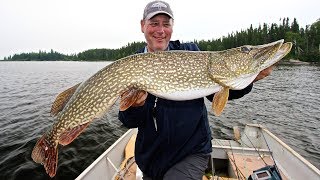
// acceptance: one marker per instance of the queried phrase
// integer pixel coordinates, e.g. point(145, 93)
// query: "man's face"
point(157, 31)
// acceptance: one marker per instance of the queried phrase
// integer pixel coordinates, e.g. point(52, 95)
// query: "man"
point(174, 138)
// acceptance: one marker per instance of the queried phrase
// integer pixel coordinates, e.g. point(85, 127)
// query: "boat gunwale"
point(104, 154)
point(293, 152)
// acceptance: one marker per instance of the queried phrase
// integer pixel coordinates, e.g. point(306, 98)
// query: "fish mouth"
point(255, 59)
point(268, 54)
point(267, 50)
point(271, 53)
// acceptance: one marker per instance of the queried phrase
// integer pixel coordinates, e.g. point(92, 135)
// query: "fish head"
point(236, 68)
point(264, 56)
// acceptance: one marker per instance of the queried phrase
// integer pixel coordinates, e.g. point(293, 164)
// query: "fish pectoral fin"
point(69, 135)
point(62, 99)
point(128, 98)
point(220, 100)
point(46, 154)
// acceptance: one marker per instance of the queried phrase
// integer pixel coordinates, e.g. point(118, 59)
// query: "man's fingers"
point(264, 73)
point(141, 97)
point(132, 97)
point(128, 93)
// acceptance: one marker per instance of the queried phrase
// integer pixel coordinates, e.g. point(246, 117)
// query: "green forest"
point(306, 44)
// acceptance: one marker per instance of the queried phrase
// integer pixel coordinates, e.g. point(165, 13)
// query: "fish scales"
point(188, 68)
point(176, 75)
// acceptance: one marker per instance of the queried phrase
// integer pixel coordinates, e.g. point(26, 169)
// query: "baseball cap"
point(157, 7)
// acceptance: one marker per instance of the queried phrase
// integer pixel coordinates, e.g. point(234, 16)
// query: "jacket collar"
point(173, 45)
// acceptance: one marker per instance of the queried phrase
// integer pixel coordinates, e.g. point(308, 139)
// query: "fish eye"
point(245, 49)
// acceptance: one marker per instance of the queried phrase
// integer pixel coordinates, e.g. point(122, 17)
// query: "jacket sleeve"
point(133, 116)
point(235, 94)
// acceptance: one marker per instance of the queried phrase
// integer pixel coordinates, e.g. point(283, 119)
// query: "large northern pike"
point(175, 75)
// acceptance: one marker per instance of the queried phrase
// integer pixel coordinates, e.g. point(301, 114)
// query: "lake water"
point(287, 103)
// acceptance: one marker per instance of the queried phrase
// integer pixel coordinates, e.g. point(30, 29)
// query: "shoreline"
point(294, 62)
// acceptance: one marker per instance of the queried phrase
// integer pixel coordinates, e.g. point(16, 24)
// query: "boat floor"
point(246, 164)
point(242, 160)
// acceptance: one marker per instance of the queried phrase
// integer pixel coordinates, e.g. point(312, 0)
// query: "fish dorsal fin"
point(62, 99)
point(220, 100)
point(128, 98)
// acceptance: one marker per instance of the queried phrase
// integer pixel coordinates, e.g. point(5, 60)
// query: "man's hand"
point(141, 98)
point(264, 73)
point(132, 97)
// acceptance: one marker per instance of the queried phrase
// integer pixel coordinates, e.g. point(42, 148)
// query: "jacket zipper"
point(154, 114)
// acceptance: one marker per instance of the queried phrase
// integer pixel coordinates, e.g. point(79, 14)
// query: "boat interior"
point(253, 154)
point(234, 160)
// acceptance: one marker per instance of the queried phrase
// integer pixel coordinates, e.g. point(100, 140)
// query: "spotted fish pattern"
point(175, 75)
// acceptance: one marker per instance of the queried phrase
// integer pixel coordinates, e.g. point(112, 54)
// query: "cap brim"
point(158, 12)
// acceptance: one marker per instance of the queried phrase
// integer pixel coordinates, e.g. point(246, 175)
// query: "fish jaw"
point(236, 68)
point(284, 49)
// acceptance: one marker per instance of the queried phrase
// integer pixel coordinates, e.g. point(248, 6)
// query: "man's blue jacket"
point(180, 128)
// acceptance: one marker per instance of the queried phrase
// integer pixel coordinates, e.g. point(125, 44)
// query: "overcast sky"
point(72, 26)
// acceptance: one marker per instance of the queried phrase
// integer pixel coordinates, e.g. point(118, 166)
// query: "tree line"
point(306, 44)
point(306, 41)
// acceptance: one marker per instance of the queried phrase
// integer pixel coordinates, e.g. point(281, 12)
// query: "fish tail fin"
point(46, 153)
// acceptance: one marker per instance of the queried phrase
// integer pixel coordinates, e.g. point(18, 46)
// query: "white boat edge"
point(108, 162)
point(290, 163)
point(286, 157)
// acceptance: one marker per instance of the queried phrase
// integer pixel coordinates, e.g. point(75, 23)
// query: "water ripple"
point(287, 103)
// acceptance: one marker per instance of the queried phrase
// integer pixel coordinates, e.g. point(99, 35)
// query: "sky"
point(73, 26)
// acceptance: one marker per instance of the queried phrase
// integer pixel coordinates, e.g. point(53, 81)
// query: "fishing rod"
point(275, 164)
point(237, 169)
point(255, 149)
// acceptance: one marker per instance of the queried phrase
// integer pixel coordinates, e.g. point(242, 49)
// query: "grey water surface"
point(287, 103)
